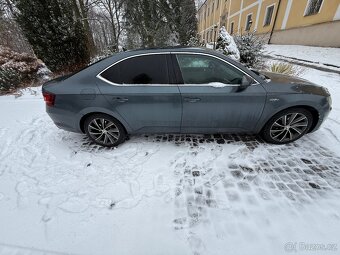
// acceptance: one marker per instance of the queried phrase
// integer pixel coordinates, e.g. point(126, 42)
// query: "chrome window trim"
point(170, 85)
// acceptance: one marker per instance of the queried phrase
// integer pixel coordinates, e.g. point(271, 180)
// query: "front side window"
point(201, 69)
point(313, 7)
point(149, 69)
point(269, 15)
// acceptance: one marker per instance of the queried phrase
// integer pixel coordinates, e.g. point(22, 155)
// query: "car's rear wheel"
point(287, 126)
point(104, 130)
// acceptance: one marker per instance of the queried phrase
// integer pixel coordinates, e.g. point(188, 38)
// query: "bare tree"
point(11, 35)
point(112, 11)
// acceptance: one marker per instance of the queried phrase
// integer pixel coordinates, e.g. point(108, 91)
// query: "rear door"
point(139, 88)
point(212, 98)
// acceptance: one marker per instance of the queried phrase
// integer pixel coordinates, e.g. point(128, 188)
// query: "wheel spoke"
point(92, 127)
point(105, 138)
point(114, 135)
point(102, 121)
point(276, 136)
point(99, 137)
point(292, 118)
point(277, 130)
point(96, 123)
point(299, 120)
point(110, 138)
point(113, 130)
point(95, 133)
point(300, 125)
point(277, 124)
point(296, 130)
point(284, 136)
point(110, 124)
point(290, 135)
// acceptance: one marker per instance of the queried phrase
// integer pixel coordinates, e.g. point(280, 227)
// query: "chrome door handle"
point(191, 99)
point(121, 99)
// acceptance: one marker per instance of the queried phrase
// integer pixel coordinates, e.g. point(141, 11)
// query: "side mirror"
point(246, 82)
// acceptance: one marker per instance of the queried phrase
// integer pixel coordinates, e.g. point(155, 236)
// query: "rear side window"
point(150, 69)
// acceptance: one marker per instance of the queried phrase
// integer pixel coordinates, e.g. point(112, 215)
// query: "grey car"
point(186, 91)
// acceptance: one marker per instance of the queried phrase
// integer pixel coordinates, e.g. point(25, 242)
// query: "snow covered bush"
point(9, 79)
point(250, 47)
point(285, 68)
point(226, 45)
point(194, 41)
point(17, 68)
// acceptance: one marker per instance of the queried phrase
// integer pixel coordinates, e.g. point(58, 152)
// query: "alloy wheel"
point(289, 127)
point(103, 131)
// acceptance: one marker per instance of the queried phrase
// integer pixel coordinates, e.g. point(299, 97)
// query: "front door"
point(139, 90)
point(212, 98)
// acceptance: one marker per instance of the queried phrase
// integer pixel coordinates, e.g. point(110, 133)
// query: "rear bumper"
point(63, 119)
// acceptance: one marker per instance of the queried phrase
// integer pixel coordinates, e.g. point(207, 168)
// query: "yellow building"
point(304, 22)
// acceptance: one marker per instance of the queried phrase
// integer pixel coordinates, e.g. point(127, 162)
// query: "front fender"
point(276, 103)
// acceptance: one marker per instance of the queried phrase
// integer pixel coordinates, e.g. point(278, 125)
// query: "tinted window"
point(151, 69)
point(199, 69)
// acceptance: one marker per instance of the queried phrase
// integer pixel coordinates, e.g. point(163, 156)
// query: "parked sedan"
point(183, 90)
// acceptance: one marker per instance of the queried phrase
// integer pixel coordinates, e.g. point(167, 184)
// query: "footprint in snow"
point(74, 205)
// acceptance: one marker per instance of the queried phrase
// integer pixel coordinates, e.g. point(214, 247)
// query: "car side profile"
point(183, 90)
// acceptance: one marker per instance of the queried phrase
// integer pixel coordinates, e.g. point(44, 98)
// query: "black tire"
point(110, 135)
point(271, 132)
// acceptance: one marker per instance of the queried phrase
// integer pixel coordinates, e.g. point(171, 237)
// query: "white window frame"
point(245, 27)
point(307, 7)
point(265, 16)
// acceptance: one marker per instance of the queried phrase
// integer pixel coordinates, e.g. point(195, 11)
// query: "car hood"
point(280, 83)
point(282, 78)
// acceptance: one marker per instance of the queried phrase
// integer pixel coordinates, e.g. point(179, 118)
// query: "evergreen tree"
point(188, 21)
point(250, 47)
point(146, 19)
point(194, 41)
point(181, 16)
point(226, 45)
point(162, 22)
point(56, 35)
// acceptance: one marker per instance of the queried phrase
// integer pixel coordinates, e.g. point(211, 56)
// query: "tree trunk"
point(91, 45)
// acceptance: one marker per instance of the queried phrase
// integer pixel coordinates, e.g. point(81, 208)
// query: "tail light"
point(49, 98)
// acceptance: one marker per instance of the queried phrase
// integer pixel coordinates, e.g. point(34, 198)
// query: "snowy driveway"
point(166, 194)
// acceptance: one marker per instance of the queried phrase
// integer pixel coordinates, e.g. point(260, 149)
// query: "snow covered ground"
point(319, 56)
point(60, 194)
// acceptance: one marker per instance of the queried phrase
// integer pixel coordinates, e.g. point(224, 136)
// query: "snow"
point(155, 195)
point(319, 55)
point(218, 84)
point(226, 45)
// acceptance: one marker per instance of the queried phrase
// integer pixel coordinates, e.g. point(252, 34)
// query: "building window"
point(249, 22)
point(232, 28)
point(313, 7)
point(269, 15)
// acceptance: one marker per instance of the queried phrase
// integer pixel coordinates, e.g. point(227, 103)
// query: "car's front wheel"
point(287, 126)
point(104, 130)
